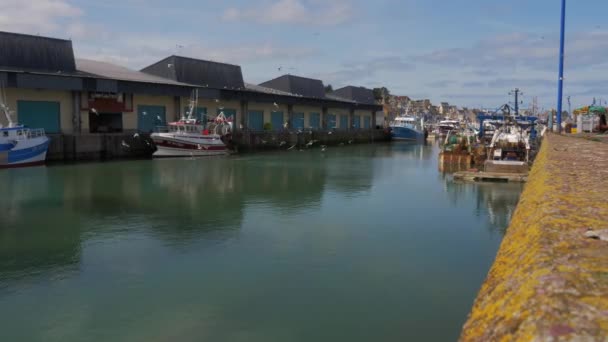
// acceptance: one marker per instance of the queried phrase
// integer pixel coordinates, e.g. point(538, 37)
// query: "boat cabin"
point(20, 133)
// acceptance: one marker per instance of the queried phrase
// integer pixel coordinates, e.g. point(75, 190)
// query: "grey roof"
point(34, 53)
point(303, 86)
point(116, 72)
point(200, 72)
point(356, 94)
point(265, 90)
point(338, 98)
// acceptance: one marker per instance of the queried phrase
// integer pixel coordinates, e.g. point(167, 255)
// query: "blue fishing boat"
point(407, 128)
point(21, 146)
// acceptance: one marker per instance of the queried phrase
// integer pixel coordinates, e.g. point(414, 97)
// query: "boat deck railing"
point(35, 133)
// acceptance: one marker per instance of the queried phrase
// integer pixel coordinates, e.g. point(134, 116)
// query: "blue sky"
point(467, 52)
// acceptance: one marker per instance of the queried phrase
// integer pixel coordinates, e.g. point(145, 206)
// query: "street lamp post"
point(560, 86)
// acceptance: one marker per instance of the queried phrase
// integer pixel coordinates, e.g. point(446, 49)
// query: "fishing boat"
point(444, 127)
point(407, 127)
point(511, 145)
point(21, 146)
point(191, 137)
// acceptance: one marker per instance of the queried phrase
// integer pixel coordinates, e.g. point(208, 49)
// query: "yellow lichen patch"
point(549, 280)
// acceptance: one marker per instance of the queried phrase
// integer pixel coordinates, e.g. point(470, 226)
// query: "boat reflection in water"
point(496, 201)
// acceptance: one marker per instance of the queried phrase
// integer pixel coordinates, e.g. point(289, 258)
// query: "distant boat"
point(21, 146)
point(189, 137)
point(446, 126)
point(406, 128)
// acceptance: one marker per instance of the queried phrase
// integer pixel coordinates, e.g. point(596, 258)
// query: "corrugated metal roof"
point(116, 72)
point(200, 72)
point(303, 86)
point(266, 90)
point(27, 52)
point(357, 94)
point(338, 98)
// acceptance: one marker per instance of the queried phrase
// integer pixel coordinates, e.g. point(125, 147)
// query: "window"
point(5, 134)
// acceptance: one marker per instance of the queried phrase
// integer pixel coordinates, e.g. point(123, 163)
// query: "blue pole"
point(560, 87)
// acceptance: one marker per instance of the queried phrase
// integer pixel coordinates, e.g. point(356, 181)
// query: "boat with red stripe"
point(190, 137)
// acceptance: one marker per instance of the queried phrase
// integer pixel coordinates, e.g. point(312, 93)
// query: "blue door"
point(200, 113)
point(277, 120)
point(230, 114)
point(366, 122)
point(357, 121)
point(315, 120)
point(298, 120)
point(331, 121)
point(255, 120)
point(39, 114)
point(343, 121)
point(150, 117)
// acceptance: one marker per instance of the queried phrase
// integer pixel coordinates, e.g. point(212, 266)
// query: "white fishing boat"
point(509, 150)
point(190, 137)
point(20, 146)
point(446, 126)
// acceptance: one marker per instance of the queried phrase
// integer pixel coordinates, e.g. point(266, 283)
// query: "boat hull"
point(31, 152)
point(169, 145)
point(406, 134)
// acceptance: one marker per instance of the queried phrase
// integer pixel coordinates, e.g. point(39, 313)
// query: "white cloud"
point(36, 16)
point(294, 12)
point(354, 73)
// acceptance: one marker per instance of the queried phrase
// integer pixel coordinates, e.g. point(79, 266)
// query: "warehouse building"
point(46, 87)
point(85, 101)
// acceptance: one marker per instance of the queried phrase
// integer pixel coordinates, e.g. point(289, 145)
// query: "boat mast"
point(193, 104)
point(4, 106)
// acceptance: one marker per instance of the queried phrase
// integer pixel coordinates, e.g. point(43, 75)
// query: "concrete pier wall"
point(254, 141)
point(549, 281)
point(88, 147)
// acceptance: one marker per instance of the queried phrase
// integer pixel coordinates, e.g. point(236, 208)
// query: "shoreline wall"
point(550, 278)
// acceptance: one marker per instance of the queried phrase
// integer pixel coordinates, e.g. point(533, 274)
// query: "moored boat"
point(190, 137)
point(446, 126)
point(21, 146)
point(406, 128)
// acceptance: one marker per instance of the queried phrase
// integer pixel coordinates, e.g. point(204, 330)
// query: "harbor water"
point(357, 243)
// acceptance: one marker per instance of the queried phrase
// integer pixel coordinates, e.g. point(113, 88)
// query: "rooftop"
point(23, 52)
point(201, 72)
point(116, 72)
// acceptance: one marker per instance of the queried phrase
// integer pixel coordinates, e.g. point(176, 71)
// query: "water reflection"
point(496, 201)
point(50, 211)
point(254, 242)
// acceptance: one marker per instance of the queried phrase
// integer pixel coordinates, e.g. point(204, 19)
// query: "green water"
point(365, 243)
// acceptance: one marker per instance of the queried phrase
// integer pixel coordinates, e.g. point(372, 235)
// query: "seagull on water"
point(291, 148)
point(124, 144)
point(136, 135)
